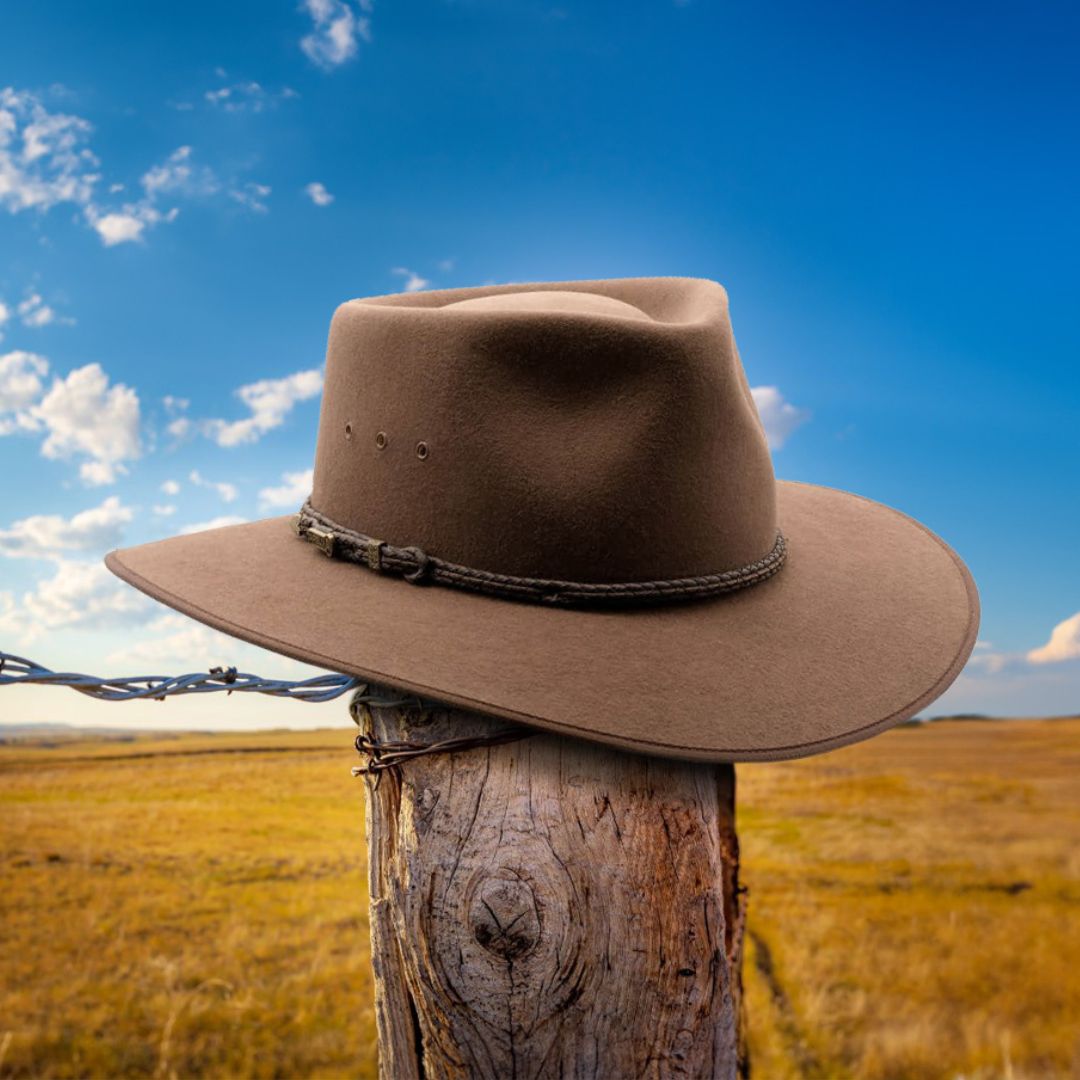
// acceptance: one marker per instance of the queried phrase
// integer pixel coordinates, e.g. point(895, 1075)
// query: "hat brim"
point(871, 619)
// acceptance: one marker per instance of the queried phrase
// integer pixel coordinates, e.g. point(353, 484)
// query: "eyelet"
point(422, 450)
point(381, 441)
point(348, 430)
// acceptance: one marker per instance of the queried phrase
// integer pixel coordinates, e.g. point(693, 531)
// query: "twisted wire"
point(19, 670)
point(380, 756)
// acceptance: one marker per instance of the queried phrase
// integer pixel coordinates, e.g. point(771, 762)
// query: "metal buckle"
point(323, 539)
point(374, 554)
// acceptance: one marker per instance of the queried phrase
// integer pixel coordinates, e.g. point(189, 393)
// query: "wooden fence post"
point(550, 908)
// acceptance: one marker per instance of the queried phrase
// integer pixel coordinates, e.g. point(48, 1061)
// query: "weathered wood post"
point(550, 907)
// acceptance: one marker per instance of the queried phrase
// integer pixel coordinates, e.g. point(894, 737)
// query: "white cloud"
point(296, 487)
point(164, 510)
point(1064, 643)
point(1042, 668)
point(86, 416)
point(35, 313)
point(213, 523)
point(50, 536)
point(20, 386)
point(222, 96)
point(413, 281)
point(318, 194)
point(270, 401)
point(185, 644)
point(1013, 686)
point(226, 491)
point(337, 26)
point(100, 473)
point(127, 225)
point(176, 176)
point(1043, 681)
point(170, 487)
point(173, 641)
point(251, 196)
point(44, 159)
point(174, 173)
point(119, 228)
point(179, 427)
point(779, 417)
point(79, 594)
point(179, 174)
point(988, 660)
point(246, 97)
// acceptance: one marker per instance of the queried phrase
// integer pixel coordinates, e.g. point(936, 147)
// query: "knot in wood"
point(504, 917)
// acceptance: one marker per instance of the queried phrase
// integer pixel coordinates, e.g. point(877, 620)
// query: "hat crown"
point(598, 431)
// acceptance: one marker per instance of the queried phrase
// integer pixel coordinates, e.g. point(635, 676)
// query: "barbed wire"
point(379, 755)
point(319, 688)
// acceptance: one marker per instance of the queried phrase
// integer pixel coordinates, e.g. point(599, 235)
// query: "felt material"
point(585, 431)
point(589, 431)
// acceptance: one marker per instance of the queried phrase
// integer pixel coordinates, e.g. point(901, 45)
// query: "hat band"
point(338, 542)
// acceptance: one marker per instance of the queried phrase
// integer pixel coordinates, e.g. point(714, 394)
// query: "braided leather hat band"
point(415, 566)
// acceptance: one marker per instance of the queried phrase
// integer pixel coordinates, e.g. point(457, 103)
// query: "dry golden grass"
point(197, 906)
point(915, 905)
point(184, 913)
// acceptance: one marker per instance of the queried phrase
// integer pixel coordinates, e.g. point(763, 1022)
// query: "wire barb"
point(17, 669)
point(380, 756)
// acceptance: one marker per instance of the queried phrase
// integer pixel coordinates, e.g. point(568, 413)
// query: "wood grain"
point(551, 908)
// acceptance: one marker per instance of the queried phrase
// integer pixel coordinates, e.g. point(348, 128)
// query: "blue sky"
point(187, 191)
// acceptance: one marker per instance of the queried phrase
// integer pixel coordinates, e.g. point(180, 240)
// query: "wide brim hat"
point(555, 503)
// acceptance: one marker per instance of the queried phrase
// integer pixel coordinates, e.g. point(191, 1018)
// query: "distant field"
point(197, 905)
point(918, 897)
point(185, 912)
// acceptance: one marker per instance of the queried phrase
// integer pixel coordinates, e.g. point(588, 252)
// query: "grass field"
point(196, 905)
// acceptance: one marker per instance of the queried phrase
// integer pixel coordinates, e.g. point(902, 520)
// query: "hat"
point(555, 503)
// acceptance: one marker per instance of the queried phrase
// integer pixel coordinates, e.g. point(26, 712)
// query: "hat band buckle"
point(336, 541)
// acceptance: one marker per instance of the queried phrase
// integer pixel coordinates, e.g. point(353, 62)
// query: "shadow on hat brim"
point(870, 620)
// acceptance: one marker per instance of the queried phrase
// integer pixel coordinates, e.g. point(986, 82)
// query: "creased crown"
point(586, 430)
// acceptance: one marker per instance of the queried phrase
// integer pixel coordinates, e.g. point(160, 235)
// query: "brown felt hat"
point(555, 503)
